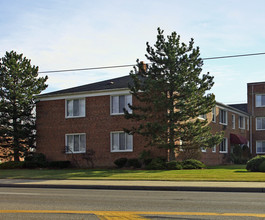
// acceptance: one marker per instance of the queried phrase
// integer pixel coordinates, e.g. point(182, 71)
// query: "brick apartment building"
point(90, 118)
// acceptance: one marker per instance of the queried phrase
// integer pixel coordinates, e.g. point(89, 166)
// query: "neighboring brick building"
point(256, 108)
point(90, 118)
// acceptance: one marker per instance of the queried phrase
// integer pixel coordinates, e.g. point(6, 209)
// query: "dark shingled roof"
point(242, 107)
point(116, 83)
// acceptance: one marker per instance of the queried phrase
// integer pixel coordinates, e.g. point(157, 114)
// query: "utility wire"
point(128, 65)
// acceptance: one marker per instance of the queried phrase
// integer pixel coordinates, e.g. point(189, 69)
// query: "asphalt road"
point(25, 203)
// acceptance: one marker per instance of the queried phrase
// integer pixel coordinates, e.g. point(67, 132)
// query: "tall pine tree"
point(171, 95)
point(19, 83)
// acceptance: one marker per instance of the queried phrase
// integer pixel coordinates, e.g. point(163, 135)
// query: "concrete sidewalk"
point(137, 185)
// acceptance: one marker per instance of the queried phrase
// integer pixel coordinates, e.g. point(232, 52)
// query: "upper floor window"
point(121, 142)
point(75, 108)
point(260, 100)
point(223, 146)
point(241, 122)
point(260, 123)
point(214, 114)
point(223, 116)
point(119, 103)
point(75, 143)
point(260, 147)
point(233, 121)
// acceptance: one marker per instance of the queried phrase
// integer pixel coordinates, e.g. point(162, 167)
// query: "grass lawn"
point(214, 173)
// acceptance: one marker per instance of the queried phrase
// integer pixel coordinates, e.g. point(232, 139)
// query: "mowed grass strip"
point(214, 173)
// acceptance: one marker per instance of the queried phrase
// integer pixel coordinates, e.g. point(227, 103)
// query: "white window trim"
point(233, 121)
point(79, 116)
point(118, 151)
point(262, 106)
point(76, 152)
point(214, 149)
point(203, 149)
point(258, 129)
point(122, 113)
point(257, 147)
point(244, 122)
point(214, 114)
point(202, 117)
point(225, 117)
point(226, 142)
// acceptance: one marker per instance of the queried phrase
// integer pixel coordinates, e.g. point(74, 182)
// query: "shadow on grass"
point(228, 167)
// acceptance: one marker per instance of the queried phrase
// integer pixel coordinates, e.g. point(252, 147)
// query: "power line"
point(233, 56)
point(128, 65)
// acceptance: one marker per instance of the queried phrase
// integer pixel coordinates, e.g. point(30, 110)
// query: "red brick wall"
point(97, 124)
point(253, 89)
point(211, 158)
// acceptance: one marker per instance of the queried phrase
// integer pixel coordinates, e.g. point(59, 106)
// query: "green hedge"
point(121, 162)
point(192, 164)
point(256, 164)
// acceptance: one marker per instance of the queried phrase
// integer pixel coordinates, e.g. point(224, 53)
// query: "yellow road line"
point(106, 215)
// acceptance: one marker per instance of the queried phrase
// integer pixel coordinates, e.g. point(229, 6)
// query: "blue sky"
point(68, 34)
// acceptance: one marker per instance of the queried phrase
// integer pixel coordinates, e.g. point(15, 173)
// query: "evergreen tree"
point(171, 95)
point(19, 83)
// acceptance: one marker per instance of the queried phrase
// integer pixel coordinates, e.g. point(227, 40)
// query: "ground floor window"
point(121, 142)
point(75, 143)
point(214, 149)
point(260, 147)
point(203, 149)
point(223, 146)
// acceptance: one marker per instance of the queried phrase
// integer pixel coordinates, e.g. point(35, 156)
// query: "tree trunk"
point(172, 155)
point(16, 156)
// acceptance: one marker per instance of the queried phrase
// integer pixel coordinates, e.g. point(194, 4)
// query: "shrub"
point(12, 165)
point(120, 162)
point(240, 154)
point(35, 160)
point(156, 164)
point(262, 167)
point(145, 157)
point(36, 157)
point(59, 164)
point(33, 165)
point(192, 164)
point(173, 165)
point(147, 161)
point(254, 163)
point(134, 163)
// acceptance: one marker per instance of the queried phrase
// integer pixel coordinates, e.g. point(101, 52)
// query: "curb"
point(151, 188)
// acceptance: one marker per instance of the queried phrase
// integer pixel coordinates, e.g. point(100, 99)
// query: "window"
point(233, 121)
point(223, 117)
point(203, 116)
point(203, 149)
point(260, 100)
point(214, 114)
point(121, 142)
point(223, 146)
point(260, 123)
point(118, 103)
point(75, 108)
point(75, 143)
point(241, 122)
point(214, 149)
point(260, 147)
